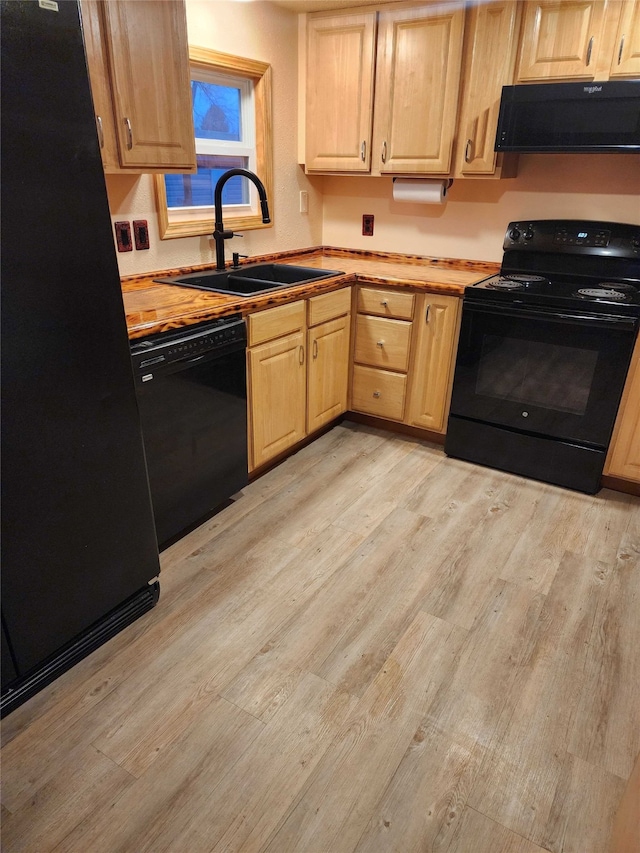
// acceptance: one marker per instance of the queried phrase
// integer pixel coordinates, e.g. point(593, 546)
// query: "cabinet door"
point(623, 459)
point(148, 57)
point(560, 39)
point(436, 326)
point(417, 82)
point(277, 393)
point(328, 372)
point(100, 85)
point(339, 92)
point(490, 61)
point(626, 58)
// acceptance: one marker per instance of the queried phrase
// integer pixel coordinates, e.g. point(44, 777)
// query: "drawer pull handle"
point(315, 348)
point(101, 131)
point(589, 49)
point(363, 149)
point(376, 393)
point(301, 355)
point(384, 302)
point(428, 312)
point(380, 344)
point(621, 49)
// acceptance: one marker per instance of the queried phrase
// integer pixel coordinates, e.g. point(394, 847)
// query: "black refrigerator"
point(79, 553)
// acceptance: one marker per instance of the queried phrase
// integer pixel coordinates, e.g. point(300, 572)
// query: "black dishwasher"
point(192, 395)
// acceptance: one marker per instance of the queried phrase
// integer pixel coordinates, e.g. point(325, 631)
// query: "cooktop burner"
point(604, 293)
point(516, 282)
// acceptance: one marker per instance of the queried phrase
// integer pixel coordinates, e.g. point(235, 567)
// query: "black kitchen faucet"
point(219, 234)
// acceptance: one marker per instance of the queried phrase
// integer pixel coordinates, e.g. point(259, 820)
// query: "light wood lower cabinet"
point(297, 376)
point(379, 392)
point(277, 374)
point(328, 371)
point(623, 459)
point(436, 327)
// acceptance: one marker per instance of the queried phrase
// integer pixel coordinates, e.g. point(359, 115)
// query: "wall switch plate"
point(141, 233)
point(304, 201)
point(367, 224)
point(123, 236)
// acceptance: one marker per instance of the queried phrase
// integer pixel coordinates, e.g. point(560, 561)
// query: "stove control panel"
point(582, 237)
point(573, 237)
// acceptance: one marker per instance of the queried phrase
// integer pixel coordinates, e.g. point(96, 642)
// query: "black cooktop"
point(581, 265)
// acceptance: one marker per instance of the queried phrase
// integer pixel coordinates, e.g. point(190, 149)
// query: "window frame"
point(260, 74)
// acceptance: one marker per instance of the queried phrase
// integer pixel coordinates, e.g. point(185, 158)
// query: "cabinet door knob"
point(380, 344)
point(589, 49)
point(129, 134)
point(384, 302)
point(376, 393)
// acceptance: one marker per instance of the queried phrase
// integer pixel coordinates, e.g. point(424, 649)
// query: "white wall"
point(268, 33)
point(472, 223)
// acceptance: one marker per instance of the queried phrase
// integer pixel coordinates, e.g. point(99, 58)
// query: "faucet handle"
point(236, 257)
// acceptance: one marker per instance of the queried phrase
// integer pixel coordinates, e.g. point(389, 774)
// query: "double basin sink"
point(250, 280)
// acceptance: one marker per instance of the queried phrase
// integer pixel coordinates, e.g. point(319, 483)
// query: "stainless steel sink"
point(250, 280)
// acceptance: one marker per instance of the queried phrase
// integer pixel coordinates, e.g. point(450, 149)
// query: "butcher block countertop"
point(152, 307)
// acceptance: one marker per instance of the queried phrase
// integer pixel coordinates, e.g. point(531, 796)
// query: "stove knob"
point(528, 234)
point(514, 233)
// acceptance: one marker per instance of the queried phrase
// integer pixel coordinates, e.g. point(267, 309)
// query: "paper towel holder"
point(449, 181)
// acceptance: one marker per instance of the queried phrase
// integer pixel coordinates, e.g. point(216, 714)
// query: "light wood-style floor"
point(375, 648)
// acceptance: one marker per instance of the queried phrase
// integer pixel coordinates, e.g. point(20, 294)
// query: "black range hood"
point(588, 117)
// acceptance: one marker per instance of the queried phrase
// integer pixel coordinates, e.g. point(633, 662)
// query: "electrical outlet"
point(367, 224)
point(304, 201)
point(141, 233)
point(123, 236)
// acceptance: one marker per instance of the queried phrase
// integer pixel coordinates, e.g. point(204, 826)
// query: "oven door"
point(548, 373)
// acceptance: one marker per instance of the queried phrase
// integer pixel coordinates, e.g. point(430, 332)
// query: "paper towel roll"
point(420, 191)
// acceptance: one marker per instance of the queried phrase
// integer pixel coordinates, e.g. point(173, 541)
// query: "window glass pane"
point(197, 190)
point(216, 111)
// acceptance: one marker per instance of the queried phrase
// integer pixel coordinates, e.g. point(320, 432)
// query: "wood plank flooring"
point(375, 648)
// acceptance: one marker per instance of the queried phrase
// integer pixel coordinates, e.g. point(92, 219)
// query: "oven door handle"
point(500, 310)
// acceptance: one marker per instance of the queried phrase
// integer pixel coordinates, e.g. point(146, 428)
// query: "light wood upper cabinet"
point(436, 325)
point(408, 126)
point(339, 92)
point(623, 459)
point(560, 39)
point(579, 40)
point(139, 70)
point(417, 80)
point(490, 56)
point(626, 53)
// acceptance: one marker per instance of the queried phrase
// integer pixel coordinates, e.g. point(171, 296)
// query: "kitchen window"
point(231, 99)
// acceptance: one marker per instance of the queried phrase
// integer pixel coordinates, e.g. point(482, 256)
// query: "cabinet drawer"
point(382, 343)
point(379, 392)
point(385, 303)
point(266, 325)
point(328, 306)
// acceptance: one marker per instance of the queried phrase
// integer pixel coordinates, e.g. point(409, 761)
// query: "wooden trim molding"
point(261, 74)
